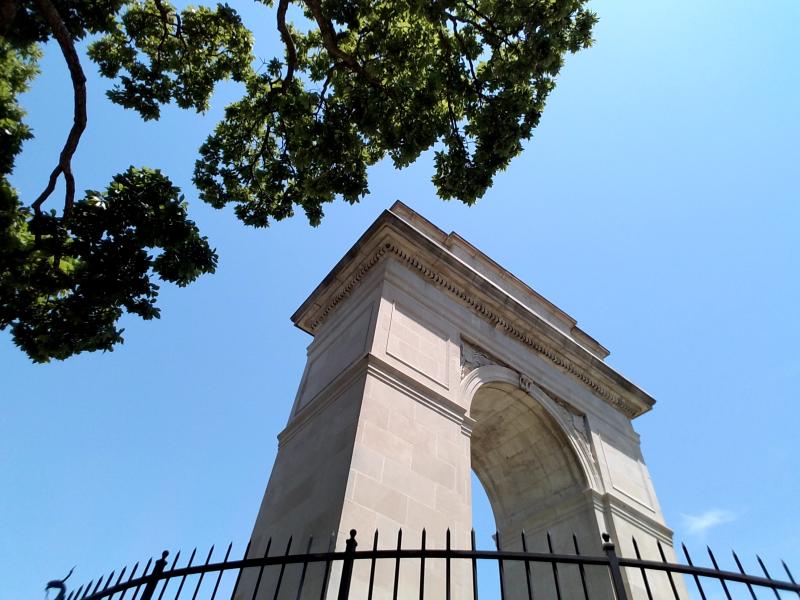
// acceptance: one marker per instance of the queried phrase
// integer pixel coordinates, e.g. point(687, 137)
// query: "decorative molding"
point(389, 248)
point(573, 419)
point(473, 358)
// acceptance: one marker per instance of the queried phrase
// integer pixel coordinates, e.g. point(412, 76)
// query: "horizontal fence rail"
point(202, 580)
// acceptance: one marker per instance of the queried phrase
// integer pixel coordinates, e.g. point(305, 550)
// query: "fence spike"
point(324, 588)
point(144, 574)
point(527, 566)
point(241, 569)
point(166, 579)
point(500, 566)
point(764, 568)
point(581, 569)
point(741, 570)
point(261, 570)
point(219, 576)
point(183, 579)
point(130, 578)
point(283, 568)
point(97, 587)
point(371, 567)
point(669, 573)
point(474, 566)
point(108, 581)
point(696, 578)
point(202, 573)
point(447, 565)
point(716, 566)
point(397, 564)
point(554, 565)
point(121, 575)
point(789, 573)
point(422, 566)
point(644, 573)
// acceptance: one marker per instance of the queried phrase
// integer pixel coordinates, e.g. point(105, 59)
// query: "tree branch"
point(64, 167)
point(329, 41)
point(475, 82)
point(286, 36)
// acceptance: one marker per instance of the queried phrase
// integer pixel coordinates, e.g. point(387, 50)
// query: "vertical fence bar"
point(716, 566)
point(581, 568)
point(324, 588)
point(130, 578)
point(283, 569)
point(789, 573)
point(183, 579)
point(741, 570)
point(397, 564)
point(447, 566)
point(614, 568)
point(764, 568)
point(221, 571)
point(108, 581)
point(305, 567)
point(555, 566)
point(669, 573)
point(261, 570)
point(158, 569)
point(166, 579)
point(696, 578)
point(144, 573)
point(422, 567)
point(500, 569)
point(86, 591)
point(202, 573)
point(474, 567)
point(97, 587)
point(241, 569)
point(527, 566)
point(347, 566)
point(644, 573)
point(372, 566)
point(119, 579)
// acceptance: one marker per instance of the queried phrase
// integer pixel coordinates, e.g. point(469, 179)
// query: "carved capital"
point(525, 382)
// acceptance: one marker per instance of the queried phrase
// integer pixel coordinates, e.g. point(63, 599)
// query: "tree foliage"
point(358, 81)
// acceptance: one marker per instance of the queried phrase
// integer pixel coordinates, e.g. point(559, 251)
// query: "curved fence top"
point(356, 572)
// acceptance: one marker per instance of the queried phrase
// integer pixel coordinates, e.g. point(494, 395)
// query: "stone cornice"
point(392, 237)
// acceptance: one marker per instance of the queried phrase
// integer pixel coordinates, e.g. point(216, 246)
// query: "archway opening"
point(523, 460)
point(532, 479)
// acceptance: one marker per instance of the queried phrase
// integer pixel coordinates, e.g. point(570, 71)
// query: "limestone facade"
point(429, 360)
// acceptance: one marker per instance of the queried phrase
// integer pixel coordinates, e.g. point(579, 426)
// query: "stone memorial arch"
point(428, 361)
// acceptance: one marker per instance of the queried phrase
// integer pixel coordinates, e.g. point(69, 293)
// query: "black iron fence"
point(165, 579)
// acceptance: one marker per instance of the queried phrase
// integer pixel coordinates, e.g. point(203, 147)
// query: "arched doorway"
point(534, 478)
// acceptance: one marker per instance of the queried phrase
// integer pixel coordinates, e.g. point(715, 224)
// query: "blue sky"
point(657, 203)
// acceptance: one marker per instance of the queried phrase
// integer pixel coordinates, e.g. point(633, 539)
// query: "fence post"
point(347, 566)
point(158, 569)
point(613, 565)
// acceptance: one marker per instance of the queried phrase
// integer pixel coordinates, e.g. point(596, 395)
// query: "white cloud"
point(700, 524)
